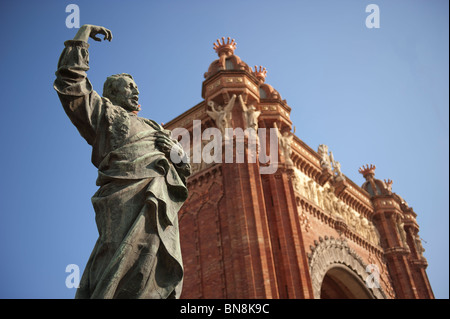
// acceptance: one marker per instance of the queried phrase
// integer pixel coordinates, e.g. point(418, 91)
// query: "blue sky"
point(375, 96)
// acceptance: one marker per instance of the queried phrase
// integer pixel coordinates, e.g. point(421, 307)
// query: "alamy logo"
point(373, 19)
point(73, 279)
point(234, 141)
point(73, 19)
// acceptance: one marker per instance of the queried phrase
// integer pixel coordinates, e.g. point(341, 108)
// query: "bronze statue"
point(137, 254)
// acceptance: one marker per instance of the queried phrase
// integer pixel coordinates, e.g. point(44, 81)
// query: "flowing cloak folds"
point(137, 254)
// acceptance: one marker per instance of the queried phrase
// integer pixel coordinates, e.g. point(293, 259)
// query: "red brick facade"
point(305, 231)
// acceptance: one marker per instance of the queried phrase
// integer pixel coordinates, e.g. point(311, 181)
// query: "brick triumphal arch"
point(304, 230)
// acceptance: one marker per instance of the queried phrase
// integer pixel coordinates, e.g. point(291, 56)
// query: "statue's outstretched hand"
point(100, 30)
point(91, 31)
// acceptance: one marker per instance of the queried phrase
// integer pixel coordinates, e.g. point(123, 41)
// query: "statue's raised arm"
point(241, 101)
point(81, 103)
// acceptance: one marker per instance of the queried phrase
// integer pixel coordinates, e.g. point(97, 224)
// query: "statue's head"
point(121, 90)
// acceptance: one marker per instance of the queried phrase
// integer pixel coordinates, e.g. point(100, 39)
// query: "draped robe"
point(137, 254)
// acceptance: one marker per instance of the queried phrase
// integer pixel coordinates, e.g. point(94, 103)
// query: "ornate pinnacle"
point(389, 184)
point(224, 47)
point(261, 73)
point(367, 170)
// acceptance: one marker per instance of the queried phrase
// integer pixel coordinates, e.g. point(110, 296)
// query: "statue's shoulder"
point(114, 112)
point(152, 123)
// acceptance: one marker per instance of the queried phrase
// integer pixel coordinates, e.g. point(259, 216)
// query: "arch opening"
point(340, 282)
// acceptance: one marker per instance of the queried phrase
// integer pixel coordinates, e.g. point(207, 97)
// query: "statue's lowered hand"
point(165, 144)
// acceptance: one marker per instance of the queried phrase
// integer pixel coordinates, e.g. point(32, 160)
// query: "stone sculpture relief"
point(327, 162)
point(222, 115)
point(401, 231)
point(251, 115)
point(419, 247)
point(325, 198)
point(285, 141)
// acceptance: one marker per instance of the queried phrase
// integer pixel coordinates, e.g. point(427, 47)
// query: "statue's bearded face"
point(126, 94)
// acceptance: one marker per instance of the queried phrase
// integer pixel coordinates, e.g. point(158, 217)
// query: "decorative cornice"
point(339, 225)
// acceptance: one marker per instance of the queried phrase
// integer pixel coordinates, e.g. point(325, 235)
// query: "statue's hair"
point(110, 86)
